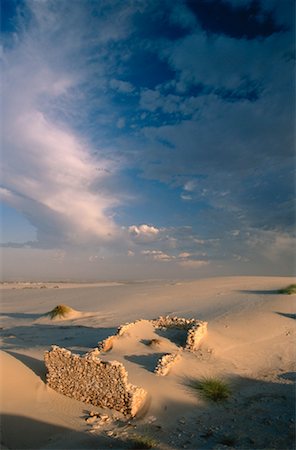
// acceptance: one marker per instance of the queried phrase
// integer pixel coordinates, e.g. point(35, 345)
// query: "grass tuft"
point(142, 442)
point(288, 290)
point(212, 389)
point(60, 311)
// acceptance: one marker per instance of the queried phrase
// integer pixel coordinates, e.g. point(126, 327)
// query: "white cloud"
point(49, 173)
point(199, 241)
point(158, 255)
point(93, 258)
point(186, 260)
point(193, 264)
point(184, 255)
point(143, 233)
point(223, 61)
point(122, 86)
point(50, 177)
point(150, 99)
point(190, 185)
point(186, 197)
point(273, 245)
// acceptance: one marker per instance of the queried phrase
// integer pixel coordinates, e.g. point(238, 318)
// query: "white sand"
point(250, 343)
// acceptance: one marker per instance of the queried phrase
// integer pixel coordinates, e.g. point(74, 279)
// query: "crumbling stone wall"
point(165, 363)
point(88, 379)
point(195, 330)
point(105, 383)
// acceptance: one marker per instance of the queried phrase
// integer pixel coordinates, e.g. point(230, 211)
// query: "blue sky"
point(147, 138)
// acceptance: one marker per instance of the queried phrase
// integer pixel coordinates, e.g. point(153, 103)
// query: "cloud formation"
point(49, 172)
point(146, 133)
point(143, 233)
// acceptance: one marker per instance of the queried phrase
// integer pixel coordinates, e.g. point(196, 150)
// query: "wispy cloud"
point(50, 172)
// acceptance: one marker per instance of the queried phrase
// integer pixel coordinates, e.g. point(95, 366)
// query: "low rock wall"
point(88, 379)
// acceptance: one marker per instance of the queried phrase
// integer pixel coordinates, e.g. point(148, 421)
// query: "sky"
point(147, 139)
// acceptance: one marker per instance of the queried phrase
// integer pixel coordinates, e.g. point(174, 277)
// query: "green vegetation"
point(288, 290)
point(212, 389)
point(60, 311)
point(140, 442)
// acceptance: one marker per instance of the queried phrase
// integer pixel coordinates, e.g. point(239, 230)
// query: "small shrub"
point(142, 442)
point(288, 290)
point(212, 389)
point(60, 311)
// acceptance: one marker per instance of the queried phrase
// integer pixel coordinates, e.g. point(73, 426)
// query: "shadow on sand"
point(148, 362)
point(20, 433)
point(37, 366)
point(258, 414)
point(289, 316)
point(261, 292)
point(23, 315)
point(75, 337)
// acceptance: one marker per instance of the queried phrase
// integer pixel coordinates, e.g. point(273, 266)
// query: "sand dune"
point(250, 344)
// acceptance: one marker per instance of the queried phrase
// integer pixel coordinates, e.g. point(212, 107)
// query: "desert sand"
point(250, 344)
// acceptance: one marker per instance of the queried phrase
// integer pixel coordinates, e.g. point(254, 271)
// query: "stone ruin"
point(90, 380)
point(105, 383)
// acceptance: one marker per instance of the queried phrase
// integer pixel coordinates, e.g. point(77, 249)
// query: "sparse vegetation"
point(60, 311)
point(212, 389)
point(142, 442)
point(291, 289)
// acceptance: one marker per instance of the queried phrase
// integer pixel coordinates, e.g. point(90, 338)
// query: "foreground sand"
point(250, 343)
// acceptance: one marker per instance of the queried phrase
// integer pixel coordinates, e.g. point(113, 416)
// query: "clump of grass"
point(212, 389)
point(142, 442)
point(60, 311)
point(291, 289)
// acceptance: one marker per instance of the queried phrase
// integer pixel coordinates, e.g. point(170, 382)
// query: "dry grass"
point(291, 289)
point(142, 442)
point(211, 389)
point(60, 311)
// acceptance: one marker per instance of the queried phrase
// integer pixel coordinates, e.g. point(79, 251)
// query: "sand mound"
point(61, 312)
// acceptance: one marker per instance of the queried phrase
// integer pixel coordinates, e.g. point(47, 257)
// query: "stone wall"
point(88, 379)
point(105, 383)
point(194, 331)
point(165, 363)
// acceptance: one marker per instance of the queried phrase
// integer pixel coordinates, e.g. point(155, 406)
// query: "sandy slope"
point(250, 343)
